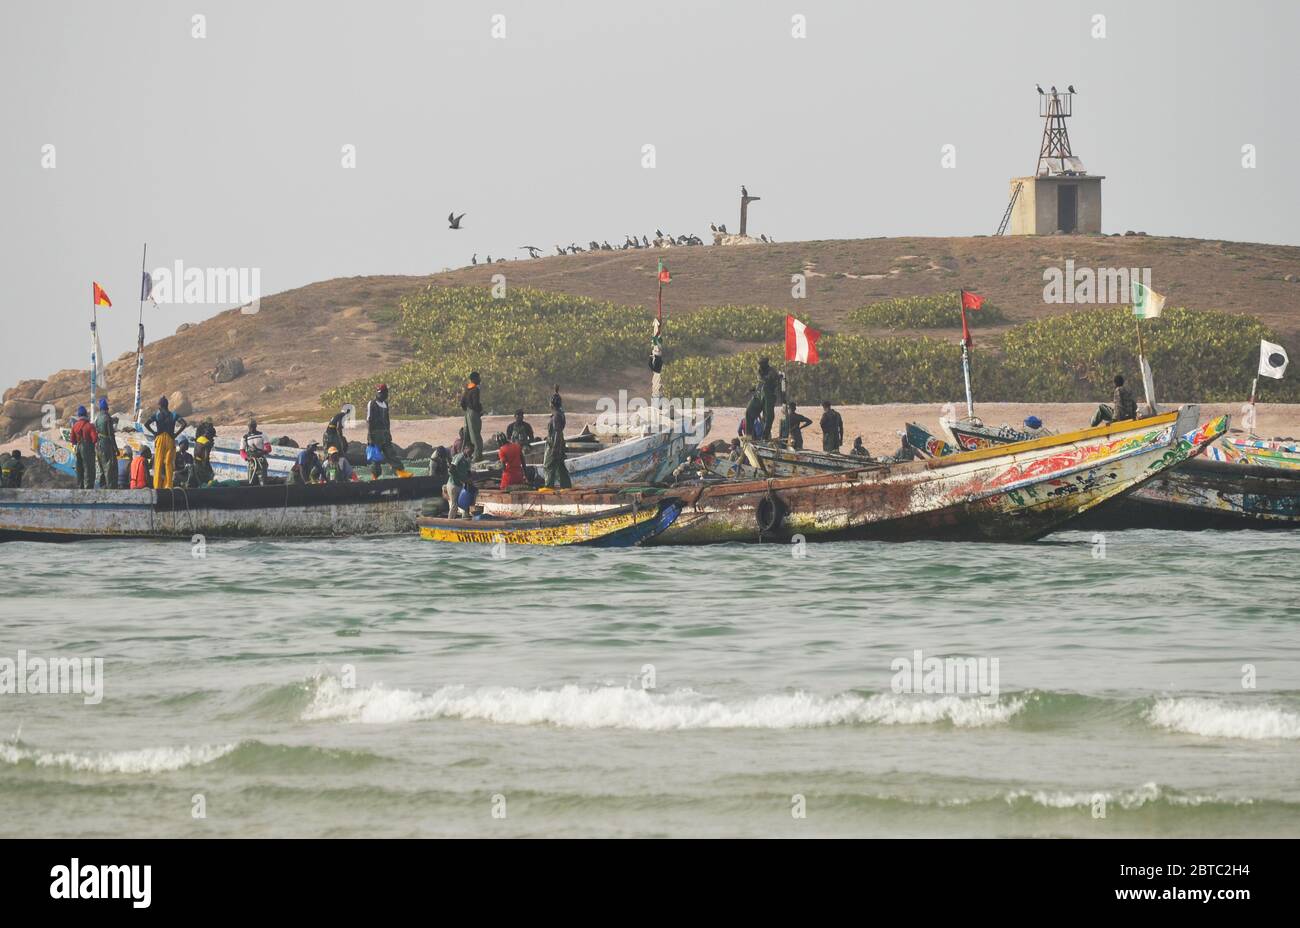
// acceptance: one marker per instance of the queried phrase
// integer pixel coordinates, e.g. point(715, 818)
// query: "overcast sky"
point(226, 151)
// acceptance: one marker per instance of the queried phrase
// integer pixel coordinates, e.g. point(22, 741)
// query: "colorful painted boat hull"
point(623, 527)
point(645, 459)
point(1260, 452)
point(1019, 492)
point(372, 507)
point(225, 458)
point(973, 435)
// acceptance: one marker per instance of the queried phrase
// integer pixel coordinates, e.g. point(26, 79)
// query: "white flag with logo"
point(1146, 302)
point(1272, 360)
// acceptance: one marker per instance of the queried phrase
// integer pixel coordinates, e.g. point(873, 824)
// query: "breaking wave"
point(1215, 719)
point(642, 710)
point(143, 760)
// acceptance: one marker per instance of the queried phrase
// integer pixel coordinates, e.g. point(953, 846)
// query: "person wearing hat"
point(184, 464)
point(124, 467)
point(307, 466)
point(11, 469)
point(519, 430)
point(472, 403)
point(106, 445)
point(140, 476)
point(205, 434)
point(905, 451)
point(557, 474)
point(337, 468)
point(379, 436)
point(164, 425)
point(84, 438)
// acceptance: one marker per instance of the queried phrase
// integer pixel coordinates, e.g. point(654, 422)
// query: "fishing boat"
point(619, 527)
point(370, 507)
point(1260, 452)
point(1208, 494)
point(758, 459)
point(227, 463)
point(970, 433)
point(1015, 493)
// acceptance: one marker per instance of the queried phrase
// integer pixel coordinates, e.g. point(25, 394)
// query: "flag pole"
point(94, 361)
point(965, 354)
point(139, 339)
point(1137, 323)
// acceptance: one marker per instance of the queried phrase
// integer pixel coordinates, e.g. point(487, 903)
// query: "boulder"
point(179, 403)
point(23, 390)
point(356, 453)
point(228, 369)
point(285, 442)
point(418, 451)
point(1291, 278)
point(21, 409)
point(182, 327)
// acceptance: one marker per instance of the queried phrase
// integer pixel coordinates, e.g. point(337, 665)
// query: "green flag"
point(1146, 302)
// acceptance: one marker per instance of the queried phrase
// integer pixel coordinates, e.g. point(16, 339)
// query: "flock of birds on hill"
point(661, 240)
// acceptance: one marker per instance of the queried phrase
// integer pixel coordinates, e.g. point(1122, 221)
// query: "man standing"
point(472, 403)
point(84, 437)
point(11, 470)
point(379, 435)
point(557, 474)
point(106, 446)
point(792, 426)
point(254, 448)
point(769, 382)
point(832, 426)
point(163, 425)
point(457, 477)
point(204, 436)
point(1124, 406)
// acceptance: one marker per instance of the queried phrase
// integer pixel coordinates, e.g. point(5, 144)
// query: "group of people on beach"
point(760, 415)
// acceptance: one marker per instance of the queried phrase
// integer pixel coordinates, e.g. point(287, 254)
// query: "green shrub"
point(938, 311)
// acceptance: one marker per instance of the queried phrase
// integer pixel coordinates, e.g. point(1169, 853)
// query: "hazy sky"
point(226, 150)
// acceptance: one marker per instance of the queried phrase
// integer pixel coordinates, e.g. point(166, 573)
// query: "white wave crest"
point(144, 760)
point(621, 707)
point(1214, 719)
point(1125, 799)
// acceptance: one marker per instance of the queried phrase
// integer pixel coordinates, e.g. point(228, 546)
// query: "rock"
point(9, 427)
point(267, 388)
point(22, 410)
point(228, 369)
point(1291, 278)
point(23, 390)
point(179, 402)
point(418, 451)
point(284, 441)
point(182, 327)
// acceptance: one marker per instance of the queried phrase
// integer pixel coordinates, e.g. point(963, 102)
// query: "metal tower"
point(1054, 155)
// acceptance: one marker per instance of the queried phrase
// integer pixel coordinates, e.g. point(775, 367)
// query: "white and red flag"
point(800, 341)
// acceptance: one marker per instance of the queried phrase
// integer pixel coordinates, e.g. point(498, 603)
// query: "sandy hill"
point(308, 340)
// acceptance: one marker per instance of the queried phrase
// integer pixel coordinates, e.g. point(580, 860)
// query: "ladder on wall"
point(1006, 217)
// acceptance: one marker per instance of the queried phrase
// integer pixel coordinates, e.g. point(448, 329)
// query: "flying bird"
point(454, 220)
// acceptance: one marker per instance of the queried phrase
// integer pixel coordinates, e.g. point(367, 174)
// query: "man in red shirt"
point(84, 438)
point(511, 454)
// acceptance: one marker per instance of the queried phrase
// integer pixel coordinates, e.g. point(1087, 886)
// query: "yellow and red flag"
point(101, 298)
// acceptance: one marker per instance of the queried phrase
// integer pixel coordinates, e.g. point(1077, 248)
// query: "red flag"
point(968, 301)
point(800, 341)
point(100, 297)
point(664, 276)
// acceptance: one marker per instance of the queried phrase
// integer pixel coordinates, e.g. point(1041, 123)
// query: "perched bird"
point(659, 233)
point(723, 228)
point(743, 191)
point(533, 250)
point(763, 238)
point(489, 260)
point(559, 250)
point(474, 258)
point(1070, 88)
point(712, 227)
point(607, 246)
point(645, 242)
point(454, 220)
point(1040, 88)
point(1054, 90)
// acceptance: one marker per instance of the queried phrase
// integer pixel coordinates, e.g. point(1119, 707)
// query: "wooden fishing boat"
point(1018, 492)
point(227, 463)
point(759, 459)
point(1208, 494)
point(620, 527)
point(971, 433)
point(1261, 452)
point(370, 507)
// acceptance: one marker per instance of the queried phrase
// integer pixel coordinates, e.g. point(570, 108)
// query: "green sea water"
point(394, 687)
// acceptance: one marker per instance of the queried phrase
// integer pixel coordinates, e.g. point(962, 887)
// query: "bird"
point(454, 220)
point(474, 258)
point(559, 250)
point(1054, 91)
point(533, 250)
point(712, 227)
point(1071, 88)
point(763, 238)
point(659, 233)
point(645, 242)
point(743, 191)
point(1040, 88)
point(723, 228)
point(489, 260)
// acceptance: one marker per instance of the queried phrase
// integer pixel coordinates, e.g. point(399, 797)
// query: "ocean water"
point(393, 687)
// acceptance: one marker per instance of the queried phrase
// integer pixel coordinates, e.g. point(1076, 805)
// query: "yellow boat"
point(622, 527)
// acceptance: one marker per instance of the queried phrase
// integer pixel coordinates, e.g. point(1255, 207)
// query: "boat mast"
point(965, 352)
point(139, 342)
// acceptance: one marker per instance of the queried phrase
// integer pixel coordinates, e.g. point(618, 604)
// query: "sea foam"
point(637, 709)
point(1215, 719)
point(144, 760)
